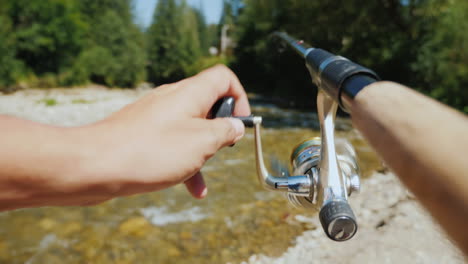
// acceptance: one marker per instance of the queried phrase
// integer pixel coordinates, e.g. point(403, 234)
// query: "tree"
point(442, 59)
point(10, 68)
point(115, 53)
point(384, 35)
point(203, 33)
point(173, 41)
point(48, 33)
point(68, 42)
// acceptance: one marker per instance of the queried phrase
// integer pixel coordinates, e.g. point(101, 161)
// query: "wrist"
point(78, 164)
point(87, 169)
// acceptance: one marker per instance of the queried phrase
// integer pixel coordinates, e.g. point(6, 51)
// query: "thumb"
point(227, 131)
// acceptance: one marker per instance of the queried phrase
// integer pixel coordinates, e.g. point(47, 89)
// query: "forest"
point(66, 43)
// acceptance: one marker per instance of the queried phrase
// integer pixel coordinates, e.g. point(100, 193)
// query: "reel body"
point(305, 160)
point(325, 173)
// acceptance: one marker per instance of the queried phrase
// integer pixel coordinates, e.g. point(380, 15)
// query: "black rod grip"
point(330, 72)
point(338, 220)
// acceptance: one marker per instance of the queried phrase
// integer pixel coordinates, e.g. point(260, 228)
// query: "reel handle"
point(338, 220)
point(224, 107)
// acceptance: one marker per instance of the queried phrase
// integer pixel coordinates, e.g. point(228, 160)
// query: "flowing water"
point(236, 220)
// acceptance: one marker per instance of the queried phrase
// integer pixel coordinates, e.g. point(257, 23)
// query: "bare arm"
point(161, 140)
point(40, 164)
point(425, 143)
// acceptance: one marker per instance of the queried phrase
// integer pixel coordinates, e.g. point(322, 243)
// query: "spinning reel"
point(325, 173)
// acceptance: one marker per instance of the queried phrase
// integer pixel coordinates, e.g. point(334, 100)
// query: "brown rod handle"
point(425, 143)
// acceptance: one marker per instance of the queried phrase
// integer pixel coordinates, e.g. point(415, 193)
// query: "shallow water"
point(236, 220)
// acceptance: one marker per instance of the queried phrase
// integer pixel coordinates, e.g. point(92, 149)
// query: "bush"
point(204, 63)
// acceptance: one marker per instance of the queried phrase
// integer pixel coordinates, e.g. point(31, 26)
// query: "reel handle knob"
point(224, 107)
point(338, 220)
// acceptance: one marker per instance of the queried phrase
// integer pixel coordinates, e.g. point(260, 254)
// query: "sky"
point(144, 10)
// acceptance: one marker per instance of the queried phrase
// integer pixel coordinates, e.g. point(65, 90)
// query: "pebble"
point(3, 248)
point(47, 224)
point(173, 252)
point(71, 228)
point(185, 235)
point(137, 226)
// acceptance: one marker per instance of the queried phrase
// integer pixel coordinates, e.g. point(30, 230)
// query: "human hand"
point(164, 138)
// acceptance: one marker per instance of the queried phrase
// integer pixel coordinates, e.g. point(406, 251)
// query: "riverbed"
point(237, 223)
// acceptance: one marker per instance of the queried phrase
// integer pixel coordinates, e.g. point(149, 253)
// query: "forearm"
point(135, 150)
point(425, 143)
point(40, 164)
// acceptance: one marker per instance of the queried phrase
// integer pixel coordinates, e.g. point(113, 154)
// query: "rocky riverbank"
point(393, 228)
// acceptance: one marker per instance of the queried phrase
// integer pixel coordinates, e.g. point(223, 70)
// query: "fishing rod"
point(324, 173)
point(337, 76)
point(325, 176)
point(421, 140)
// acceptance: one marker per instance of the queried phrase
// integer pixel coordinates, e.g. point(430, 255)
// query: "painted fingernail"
point(204, 193)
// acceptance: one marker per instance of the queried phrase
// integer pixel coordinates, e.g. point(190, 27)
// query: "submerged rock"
point(136, 226)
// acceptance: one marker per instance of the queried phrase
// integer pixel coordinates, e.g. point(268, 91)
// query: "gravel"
point(67, 107)
point(393, 228)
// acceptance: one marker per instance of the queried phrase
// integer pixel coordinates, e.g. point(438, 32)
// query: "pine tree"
point(48, 33)
point(202, 30)
point(173, 41)
point(384, 37)
point(11, 69)
point(115, 53)
point(442, 59)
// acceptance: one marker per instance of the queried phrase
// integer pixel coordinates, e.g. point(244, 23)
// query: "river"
point(236, 220)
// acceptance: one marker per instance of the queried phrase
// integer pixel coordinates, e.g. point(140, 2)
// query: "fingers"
point(225, 132)
point(214, 83)
point(196, 186)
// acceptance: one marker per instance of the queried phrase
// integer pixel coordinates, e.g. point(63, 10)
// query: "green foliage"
point(48, 33)
point(444, 56)
point(49, 101)
point(115, 55)
point(404, 41)
point(114, 58)
point(69, 42)
point(228, 15)
point(206, 62)
point(10, 68)
point(92, 9)
point(212, 36)
point(174, 41)
point(203, 32)
point(48, 43)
